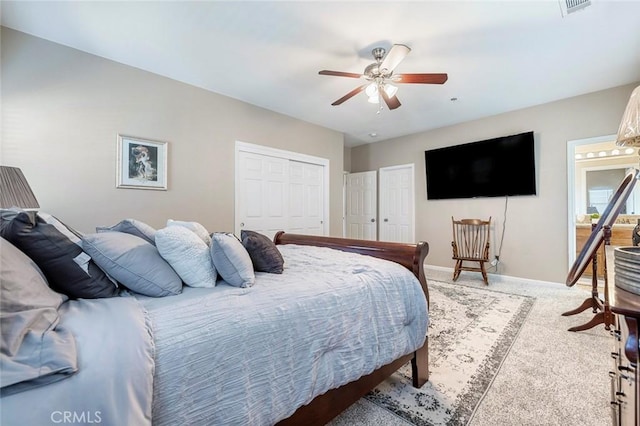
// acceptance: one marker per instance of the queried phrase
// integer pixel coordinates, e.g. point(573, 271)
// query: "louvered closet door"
point(263, 193)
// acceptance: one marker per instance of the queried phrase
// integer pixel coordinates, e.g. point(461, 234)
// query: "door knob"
point(241, 224)
point(386, 220)
point(373, 220)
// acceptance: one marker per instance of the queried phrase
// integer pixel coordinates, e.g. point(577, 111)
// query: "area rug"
point(470, 333)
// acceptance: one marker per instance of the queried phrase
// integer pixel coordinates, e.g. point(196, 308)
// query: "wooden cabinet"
point(625, 393)
point(620, 236)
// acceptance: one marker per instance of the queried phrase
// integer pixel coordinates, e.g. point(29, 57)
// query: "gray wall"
point(535, 235)
point(62, 110)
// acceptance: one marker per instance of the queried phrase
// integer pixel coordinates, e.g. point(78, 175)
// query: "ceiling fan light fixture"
point(380, 74)
point(372, 90)
point(390, 90)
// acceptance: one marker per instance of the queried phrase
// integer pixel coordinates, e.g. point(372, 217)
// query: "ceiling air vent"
point(570, 6)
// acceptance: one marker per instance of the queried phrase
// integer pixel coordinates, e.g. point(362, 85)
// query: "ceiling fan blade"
point(394, 57)
point(392, 102)
point(420, 78)
point(350, 95)
point(340, 74)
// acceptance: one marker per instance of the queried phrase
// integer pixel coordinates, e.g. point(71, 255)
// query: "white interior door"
point(263, 193)
point(397, 204)
point(361, 205)
point(306, 215)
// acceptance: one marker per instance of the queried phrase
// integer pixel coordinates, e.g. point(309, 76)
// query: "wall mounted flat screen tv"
point(503, 166)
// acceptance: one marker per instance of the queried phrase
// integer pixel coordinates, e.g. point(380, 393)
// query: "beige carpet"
point(550, 376)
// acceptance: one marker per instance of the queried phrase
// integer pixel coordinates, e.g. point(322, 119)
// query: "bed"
point(327, 406)
point(295, 348)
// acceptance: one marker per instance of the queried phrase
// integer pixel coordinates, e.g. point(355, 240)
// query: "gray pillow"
point(133, 262)
point(231, 260)
point(264, 254)
point(133, 227)
point(57, 250)
point(33, 351)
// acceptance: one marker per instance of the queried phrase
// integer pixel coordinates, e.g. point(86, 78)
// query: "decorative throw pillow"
point(196, 227)
point(58, 253)
point(65, 229)
point(7, 215)
point(33, 352)
point(188, 255)
point(264, 254)
point(133, 262)
point(232, 260)
point(133, 227)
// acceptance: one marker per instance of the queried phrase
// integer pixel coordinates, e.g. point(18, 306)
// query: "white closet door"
point(361, 208)
point(306, 210)
point(280, 190)
point(263, 193)
point(397, 204)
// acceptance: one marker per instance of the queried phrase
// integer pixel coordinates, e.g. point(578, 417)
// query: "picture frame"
point(142, 163)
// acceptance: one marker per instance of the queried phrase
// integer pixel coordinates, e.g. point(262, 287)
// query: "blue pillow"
point(231, 260)
point(133, 227)
point(133, 262)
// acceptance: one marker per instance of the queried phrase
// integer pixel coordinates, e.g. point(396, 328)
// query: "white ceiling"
point(499, 55)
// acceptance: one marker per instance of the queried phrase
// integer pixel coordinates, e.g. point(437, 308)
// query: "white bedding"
point(231, 356)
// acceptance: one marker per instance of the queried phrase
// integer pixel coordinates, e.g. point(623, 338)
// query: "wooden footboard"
point(328, 405)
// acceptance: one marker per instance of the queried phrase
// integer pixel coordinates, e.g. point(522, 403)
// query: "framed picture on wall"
point(142, 163)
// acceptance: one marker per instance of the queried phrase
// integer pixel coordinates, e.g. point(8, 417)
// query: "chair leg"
point(456, 271)
point(484, 273)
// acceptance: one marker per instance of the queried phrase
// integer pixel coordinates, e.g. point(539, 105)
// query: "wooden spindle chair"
point(471, 244)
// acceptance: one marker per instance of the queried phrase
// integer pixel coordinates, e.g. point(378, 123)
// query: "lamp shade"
point(629, 131)
point(14, 189)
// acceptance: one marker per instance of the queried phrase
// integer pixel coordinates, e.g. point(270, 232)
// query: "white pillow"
point(232, 260)
point(188, 255)
point(199, 230)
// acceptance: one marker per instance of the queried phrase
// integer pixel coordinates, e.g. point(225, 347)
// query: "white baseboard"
point(494, 277)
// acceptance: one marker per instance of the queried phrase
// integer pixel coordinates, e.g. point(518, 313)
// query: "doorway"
point(390, 218)
point(594, 170)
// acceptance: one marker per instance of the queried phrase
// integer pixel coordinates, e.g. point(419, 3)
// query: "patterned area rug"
point(470, 333)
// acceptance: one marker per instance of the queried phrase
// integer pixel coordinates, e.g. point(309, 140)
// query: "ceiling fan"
point(380, 76)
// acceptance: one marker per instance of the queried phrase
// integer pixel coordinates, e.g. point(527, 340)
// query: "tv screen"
point(490, 168)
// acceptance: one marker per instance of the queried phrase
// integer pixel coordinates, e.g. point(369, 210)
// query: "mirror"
point(618, 201)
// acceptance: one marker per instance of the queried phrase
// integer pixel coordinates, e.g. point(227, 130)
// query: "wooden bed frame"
point(328, 405)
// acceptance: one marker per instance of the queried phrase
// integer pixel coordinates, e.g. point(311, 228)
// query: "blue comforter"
point(230, 356)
